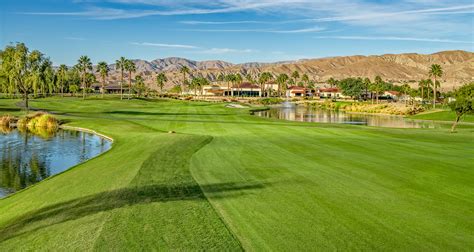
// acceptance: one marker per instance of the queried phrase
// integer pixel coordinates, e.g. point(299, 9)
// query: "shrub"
point(8, 120)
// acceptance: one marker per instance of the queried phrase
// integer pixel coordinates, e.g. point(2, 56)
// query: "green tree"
point(281, 81)
point(305, 79)
point(130, 68)
point(353, 87)
point(295, 75)
point(62, 77)
point(120, 65)
point(367, 84)
point(140, 86)
point(160, 81)
point(378, 86)
point(332, 82)
point(263, 79)
point(184, 70)
point(406, 91)
point(84, 65)
point(239, 79)
point(103, 70)
point(20, 68)
point(463, 103)
point(230, 78)
point(435, 72)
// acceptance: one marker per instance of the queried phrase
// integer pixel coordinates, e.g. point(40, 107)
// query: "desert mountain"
point(458, 68)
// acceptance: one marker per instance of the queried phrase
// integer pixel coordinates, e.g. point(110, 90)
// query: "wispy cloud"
point(395, 39)
point(202, 50)
point(226, 51)
point(164, 45)
point(304, 30)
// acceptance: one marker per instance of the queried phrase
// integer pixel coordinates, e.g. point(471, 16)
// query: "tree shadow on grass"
point(110, 200)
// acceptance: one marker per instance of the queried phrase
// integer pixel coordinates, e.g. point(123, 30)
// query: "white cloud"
point(165, 45)
point(304, 30)
point(226, 51)
point(396, 39)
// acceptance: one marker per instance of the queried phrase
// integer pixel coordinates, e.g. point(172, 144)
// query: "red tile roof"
point(246, 85)
point(393, 92)
point(330, 90)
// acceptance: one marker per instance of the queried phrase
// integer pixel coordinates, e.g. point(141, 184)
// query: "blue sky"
point(235, 30)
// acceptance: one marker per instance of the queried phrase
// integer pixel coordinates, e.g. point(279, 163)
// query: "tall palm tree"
point(435, 72)
point(367, 84)
point(262, 80)
point(305, 79)
point(421, 86)
point(230, 78)
point(84, 65)
point(281, 80)
point(239, 80)
point(120, 64)
point(295, 75)
point(130, 68)
point(184, 70)
point(103, 70)
point(378, 85)
point(160, 81)
point(249, 78)
point(62, 74)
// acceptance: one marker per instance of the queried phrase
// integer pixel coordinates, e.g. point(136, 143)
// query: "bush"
point(7, 120)
point(38, 120)
point(269, 101)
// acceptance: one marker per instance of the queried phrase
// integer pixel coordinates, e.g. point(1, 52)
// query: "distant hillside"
point(411, 67)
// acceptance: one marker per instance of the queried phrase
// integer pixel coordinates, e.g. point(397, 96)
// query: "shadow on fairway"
point(106, 201)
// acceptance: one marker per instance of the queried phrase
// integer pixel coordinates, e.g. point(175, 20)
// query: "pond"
point(27, 158)
point(292, 112)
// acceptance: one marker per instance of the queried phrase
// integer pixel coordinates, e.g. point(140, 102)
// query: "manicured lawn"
point(445, 115)
point(231, 181)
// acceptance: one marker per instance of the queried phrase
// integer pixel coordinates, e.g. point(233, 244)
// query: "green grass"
point(231, 181)
point(445, 115)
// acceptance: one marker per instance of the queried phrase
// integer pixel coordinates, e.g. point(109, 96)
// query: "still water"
point(27, 158)
point(292, 112)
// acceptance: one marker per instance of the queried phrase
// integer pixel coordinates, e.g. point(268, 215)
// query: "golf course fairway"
point(227, 180)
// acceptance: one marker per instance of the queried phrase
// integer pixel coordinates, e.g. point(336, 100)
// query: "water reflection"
point(29, 157)
point(310, 114)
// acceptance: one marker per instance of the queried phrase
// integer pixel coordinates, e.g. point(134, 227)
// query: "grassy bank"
point(444, 115)
point(230, 181)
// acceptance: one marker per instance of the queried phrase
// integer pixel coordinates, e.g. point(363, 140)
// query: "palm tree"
point(184, 70)
point(263, 79)
point(378, 85)
point(131, 68)
point(367, 84)
point(62, 73)
point(406, 89)
point(120, 64)
point(295, 75)
point(281, 80)
point(332, 82)
point(103, 70)
point(249, 78)
point(84, 64)
point(140, 85)
point(230, 78)
point(305, 79)
point(435, 72)
point(160, 81)
point(239, 79)
point(421, 86)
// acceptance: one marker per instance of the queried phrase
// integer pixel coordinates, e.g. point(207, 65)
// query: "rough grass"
point(231, 181)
